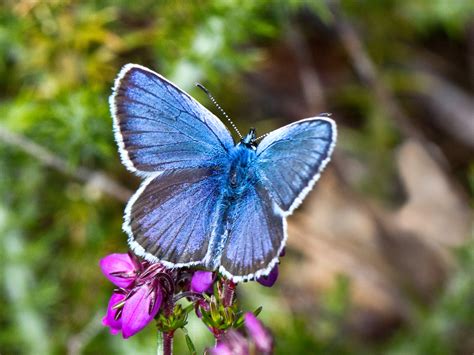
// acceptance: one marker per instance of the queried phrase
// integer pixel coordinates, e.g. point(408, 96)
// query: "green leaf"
point(189, 342)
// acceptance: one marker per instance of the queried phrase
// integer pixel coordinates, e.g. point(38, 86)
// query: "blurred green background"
point(381, 255)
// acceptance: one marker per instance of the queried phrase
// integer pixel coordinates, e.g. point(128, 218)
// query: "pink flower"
point(259, 334)
point(120, 269)
point(139, 296)
point(140, 308)
point(270, 279)
point(232, 343)
point(112, 318)
point(202, 281)
point(221, 349)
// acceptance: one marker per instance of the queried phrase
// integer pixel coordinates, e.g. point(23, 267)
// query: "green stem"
point(159, 347)
point(229, 289)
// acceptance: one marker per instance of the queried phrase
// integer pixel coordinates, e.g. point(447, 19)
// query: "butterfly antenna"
point(262, 136)
point(219, 107)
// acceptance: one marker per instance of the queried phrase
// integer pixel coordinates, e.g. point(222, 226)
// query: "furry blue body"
point(240, 175)
point(238, 179)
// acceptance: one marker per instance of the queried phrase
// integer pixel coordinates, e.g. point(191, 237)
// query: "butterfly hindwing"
point(257, 234)
point(158, 126)
point(290, 159)
point(169, 218)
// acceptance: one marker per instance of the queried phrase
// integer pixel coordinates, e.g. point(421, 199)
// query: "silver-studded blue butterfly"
point(206, 201)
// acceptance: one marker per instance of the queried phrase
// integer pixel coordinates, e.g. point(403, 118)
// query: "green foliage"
point(177, 319)
point(58, 60)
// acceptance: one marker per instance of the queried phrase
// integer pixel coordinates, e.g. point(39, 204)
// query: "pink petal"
point(136, 315)
point(201, 281)
point(270, 279)
point(109, 319)
point(221, 349)
point(114, 264)
point(114, 331)
point(232, 343)
point(258, 333)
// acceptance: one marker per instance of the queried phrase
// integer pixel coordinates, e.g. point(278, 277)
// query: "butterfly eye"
point(252, 134)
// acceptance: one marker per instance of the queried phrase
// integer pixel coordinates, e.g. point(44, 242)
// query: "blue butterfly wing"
point(256, 236)
point(290, 159)
point(169, 218)
point(158, 126)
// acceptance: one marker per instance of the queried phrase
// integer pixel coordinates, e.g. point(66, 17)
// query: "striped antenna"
point(219, 108)
point(262, 136)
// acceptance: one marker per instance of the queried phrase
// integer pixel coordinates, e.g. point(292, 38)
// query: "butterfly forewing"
point(159, 127)
point(290, 159)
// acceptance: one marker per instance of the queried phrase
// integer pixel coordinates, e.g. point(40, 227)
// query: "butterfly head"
point(250, 139)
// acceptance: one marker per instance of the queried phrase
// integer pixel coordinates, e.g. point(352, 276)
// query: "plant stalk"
point(229, 290)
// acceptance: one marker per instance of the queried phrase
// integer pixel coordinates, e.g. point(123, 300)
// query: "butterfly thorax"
point(240, 175)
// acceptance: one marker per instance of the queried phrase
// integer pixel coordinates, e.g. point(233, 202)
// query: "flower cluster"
point(138, 296)
point(146, 291)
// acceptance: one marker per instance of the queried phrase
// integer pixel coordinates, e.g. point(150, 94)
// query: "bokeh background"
point(381, 254)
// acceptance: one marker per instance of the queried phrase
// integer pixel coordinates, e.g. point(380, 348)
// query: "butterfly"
point(205, 201)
